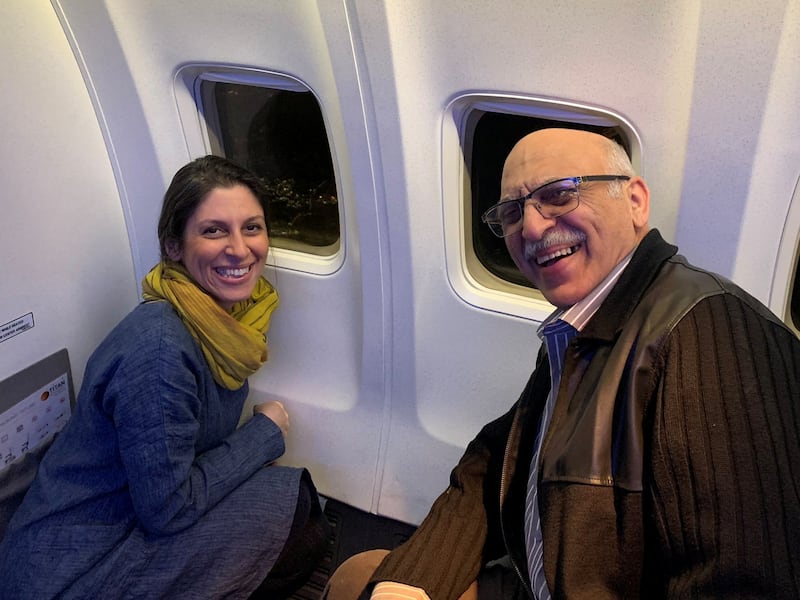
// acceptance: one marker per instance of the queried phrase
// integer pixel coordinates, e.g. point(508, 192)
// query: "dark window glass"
point(280, 135)
point(494, 136)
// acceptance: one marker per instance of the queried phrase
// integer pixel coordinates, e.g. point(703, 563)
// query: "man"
point(670, 461)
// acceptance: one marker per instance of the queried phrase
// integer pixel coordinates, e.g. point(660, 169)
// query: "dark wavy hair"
point(190, 186)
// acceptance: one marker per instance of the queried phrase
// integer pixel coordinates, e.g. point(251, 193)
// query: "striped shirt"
point(579, 314)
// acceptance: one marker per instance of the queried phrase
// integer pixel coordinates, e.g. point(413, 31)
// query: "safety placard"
point(15, 327)
point(33, 420)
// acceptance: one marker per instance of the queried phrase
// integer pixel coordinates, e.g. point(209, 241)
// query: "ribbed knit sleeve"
point(446, 552)
point(450, 538)
point(725, 456)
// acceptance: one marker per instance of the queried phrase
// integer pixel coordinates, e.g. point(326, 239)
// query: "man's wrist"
point(390, 590)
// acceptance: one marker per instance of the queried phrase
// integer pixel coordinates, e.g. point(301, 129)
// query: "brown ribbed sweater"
point(671, 468)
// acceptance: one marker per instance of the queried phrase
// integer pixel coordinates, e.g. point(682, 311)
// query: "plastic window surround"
point(786, 277)
point(187, 84)
point(469, 279)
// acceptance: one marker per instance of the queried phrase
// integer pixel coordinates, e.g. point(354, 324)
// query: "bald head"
point(554, 150)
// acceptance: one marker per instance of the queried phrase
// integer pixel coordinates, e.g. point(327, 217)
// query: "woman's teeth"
point(224, 272)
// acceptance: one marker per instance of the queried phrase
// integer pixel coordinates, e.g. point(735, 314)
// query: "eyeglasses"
point(552, 200)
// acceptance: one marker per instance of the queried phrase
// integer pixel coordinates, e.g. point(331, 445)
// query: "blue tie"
point(557, 336)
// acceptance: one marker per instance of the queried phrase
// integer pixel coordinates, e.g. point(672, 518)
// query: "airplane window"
point(494, 135)
point(280, 135)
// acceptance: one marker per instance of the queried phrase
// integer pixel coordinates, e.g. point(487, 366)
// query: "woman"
point(151, 490)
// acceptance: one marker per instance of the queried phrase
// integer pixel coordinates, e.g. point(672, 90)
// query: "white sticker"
point(15, 327)
point(34, 420)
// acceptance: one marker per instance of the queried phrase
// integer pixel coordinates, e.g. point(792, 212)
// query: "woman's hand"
point(275, 412)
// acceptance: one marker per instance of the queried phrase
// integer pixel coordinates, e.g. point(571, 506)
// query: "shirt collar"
point(579, 314)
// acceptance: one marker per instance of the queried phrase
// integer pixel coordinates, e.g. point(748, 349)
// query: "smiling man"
point(654, 451)
point(572, 231)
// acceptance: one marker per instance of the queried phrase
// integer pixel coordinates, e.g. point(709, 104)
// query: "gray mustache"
point(558, 237)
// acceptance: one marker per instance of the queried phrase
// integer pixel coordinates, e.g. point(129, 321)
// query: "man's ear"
point(173, 248)
point(639, 195)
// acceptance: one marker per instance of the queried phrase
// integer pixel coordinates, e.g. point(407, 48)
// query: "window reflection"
point(280, 135)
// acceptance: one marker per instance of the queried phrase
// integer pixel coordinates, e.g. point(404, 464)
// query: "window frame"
point(785, 291)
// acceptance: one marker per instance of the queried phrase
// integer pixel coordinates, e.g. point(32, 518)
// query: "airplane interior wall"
point(66, 253)
point(391, 352)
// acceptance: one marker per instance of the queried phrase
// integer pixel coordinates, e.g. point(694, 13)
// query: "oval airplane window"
point(280, 135)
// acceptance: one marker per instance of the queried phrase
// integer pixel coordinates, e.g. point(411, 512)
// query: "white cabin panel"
point(746, 80)
point(66, 253)
point(770, 232)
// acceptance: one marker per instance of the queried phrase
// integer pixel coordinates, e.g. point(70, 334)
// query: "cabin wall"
point(392, 353)
point(66, 256)
point(743, 156)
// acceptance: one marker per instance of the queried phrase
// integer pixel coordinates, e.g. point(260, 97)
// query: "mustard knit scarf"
point(234, 344)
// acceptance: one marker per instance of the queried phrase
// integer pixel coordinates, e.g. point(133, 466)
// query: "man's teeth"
point(540, 260)
point(233, 272)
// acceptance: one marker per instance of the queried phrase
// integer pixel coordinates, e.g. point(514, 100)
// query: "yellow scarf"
point(234, 344)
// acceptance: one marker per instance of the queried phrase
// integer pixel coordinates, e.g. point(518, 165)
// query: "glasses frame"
point(553, 213)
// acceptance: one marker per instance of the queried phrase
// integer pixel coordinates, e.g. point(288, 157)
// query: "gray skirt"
point(226, 554)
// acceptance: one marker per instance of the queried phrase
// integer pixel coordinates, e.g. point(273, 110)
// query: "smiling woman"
point(152, 471)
